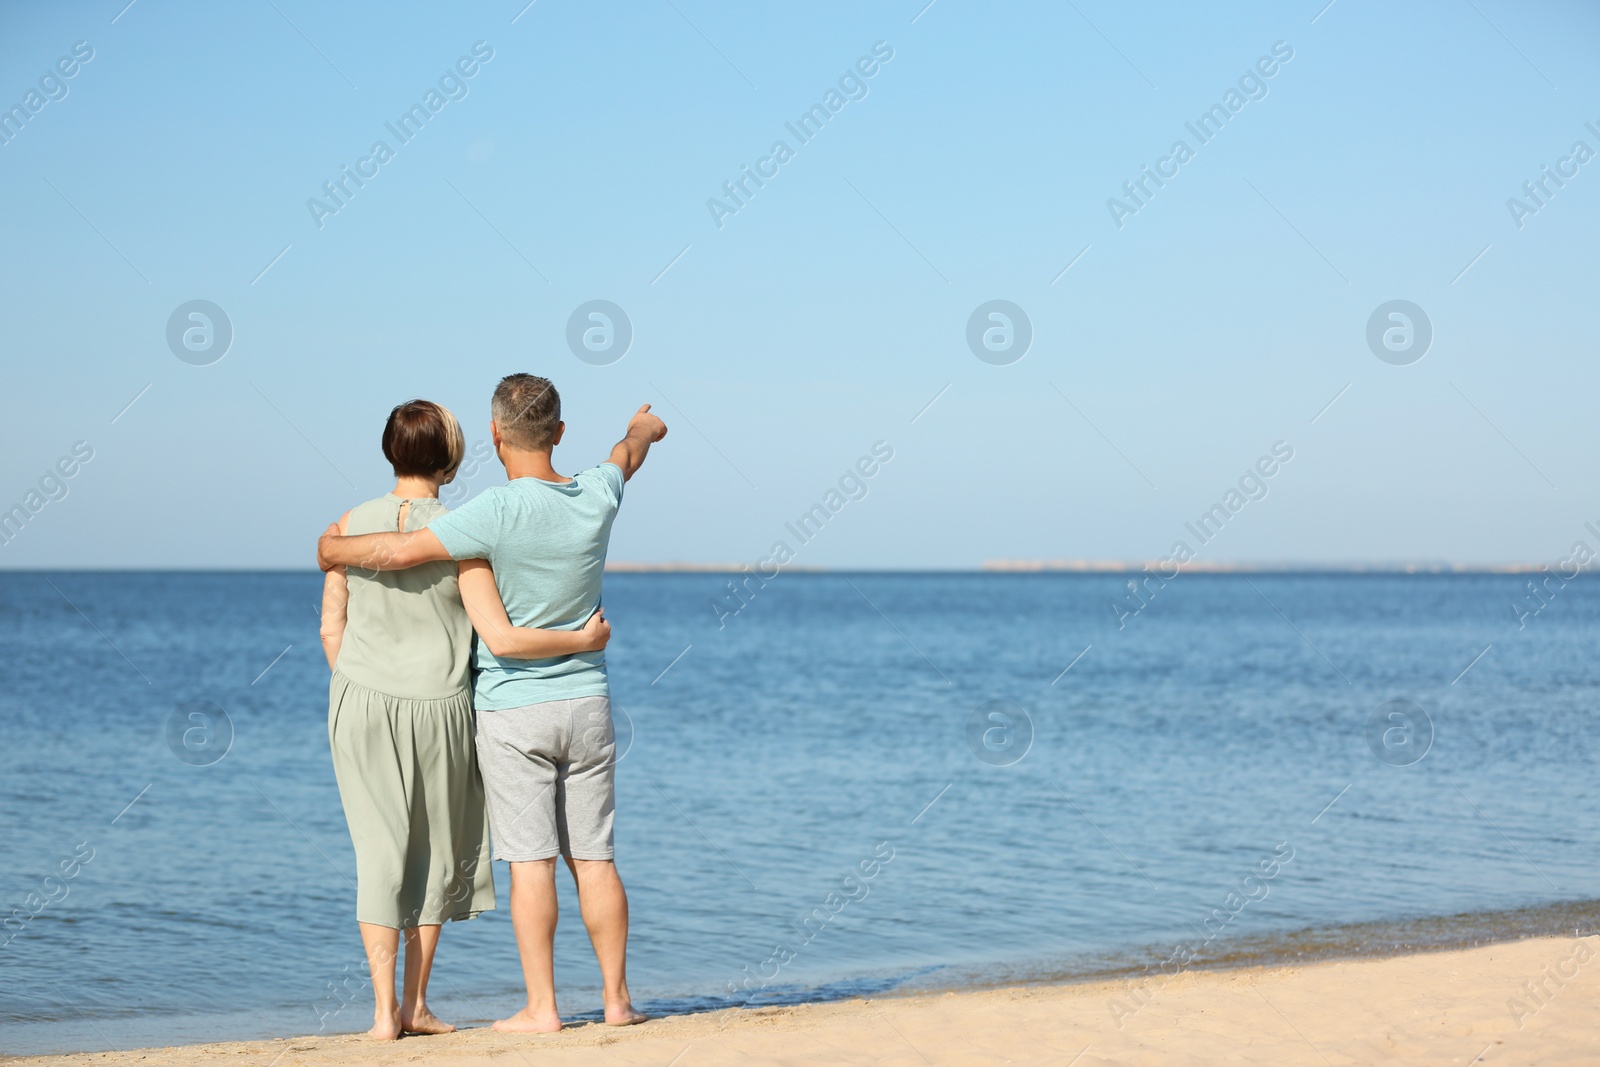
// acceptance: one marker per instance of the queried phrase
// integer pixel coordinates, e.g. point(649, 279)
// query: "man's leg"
point(586, 802)
point(383, 945)
point(533, 916)
point(415, 1018)
point(519, 786)
point(604, 904)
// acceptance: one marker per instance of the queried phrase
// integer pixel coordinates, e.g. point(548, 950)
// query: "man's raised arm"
point(380, 551)
point(644, 430)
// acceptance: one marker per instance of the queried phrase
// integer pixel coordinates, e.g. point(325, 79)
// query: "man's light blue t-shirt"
point(547, 544)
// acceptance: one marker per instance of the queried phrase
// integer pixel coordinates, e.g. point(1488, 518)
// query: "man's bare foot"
point(526, 1022)
point(385, 1025)
point(420, 1020)
point(624, 1015)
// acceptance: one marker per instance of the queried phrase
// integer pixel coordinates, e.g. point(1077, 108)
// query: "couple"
point(407, 584)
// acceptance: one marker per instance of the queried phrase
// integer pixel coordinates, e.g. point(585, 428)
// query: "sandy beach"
point(1523, 1002)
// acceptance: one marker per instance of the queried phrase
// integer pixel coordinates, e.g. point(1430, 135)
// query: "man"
point(544, 735)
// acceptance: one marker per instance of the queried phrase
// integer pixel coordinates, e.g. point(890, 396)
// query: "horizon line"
point(997, 566)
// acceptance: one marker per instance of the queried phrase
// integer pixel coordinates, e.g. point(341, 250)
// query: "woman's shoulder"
point(373, 516)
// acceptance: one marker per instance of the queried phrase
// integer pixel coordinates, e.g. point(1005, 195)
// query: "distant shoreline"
point(1102, 566)
point(1092, 566)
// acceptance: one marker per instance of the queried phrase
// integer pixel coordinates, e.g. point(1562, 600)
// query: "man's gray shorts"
point(548, 775)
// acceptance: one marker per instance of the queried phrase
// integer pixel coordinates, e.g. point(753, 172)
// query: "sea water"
point(855, 783)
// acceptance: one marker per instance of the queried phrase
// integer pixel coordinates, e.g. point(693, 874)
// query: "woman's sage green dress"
point(400, 726)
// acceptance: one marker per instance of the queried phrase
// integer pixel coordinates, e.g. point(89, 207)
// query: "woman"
point(400, 721)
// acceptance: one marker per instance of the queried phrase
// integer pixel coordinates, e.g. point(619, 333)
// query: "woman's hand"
point(481, 597)
point(596, 632)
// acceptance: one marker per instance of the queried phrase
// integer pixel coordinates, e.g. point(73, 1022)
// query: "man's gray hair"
point(527, 409)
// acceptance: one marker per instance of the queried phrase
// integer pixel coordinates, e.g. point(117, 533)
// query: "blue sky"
point(576, 164)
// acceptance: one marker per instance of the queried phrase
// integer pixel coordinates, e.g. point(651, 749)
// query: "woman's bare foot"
point(385, 1025)
point(623, 1015)
point(420, 1020)
point(527, 1022)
